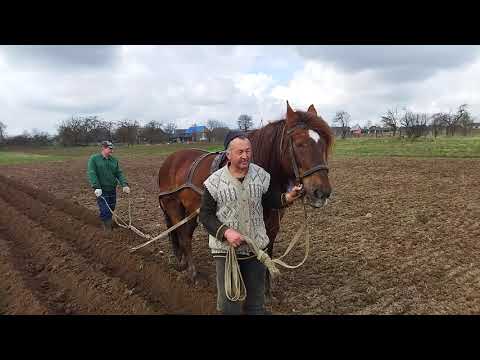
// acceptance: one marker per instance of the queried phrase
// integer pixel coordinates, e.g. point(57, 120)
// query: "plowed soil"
point(399, 236)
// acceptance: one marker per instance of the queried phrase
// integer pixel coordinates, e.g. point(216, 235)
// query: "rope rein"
point(151, 239)
point(235, 289)
point(234, 284)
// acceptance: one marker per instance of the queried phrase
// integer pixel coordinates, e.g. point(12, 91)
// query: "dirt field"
point(400, 236)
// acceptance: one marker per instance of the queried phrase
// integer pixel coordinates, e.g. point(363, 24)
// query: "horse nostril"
point(322, 194)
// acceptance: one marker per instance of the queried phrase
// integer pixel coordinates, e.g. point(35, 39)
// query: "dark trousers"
point(253, 273)
point(111, 197)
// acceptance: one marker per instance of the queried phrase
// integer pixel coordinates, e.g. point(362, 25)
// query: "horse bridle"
point(299, 178)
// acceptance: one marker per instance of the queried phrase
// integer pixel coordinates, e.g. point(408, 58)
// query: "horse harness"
point(220, 155)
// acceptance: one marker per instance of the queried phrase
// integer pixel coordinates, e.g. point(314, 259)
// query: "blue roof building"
point(196, 129)
point(193, 133)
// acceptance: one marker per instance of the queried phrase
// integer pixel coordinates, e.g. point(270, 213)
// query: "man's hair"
point(241, 137)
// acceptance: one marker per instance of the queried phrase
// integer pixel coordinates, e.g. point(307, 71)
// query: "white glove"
point(98, 192)
point(126, 189)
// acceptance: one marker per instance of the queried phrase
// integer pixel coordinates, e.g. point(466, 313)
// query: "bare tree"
point(455, 119)
point(415, 124)
point(245, 122)
point(391, 120)
point(70, 132)
point(213, 127)
point(170, 128)
point(20, 140)
point(465, 120)
point(442, 119)
point(82, 130)
point(127, 131)
point(422, 127)
point(40, 138)
point(92, 129)
point(343, 118)
point(121, 132)
point(436, 125)
point(2, 131)
point(220, 133)
point(107, 130)
point(462, 119)
point(153, 132)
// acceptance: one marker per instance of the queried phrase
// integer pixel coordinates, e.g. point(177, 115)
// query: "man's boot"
point(107, 225)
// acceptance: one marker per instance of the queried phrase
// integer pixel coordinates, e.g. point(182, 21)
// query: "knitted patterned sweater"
point(234, 203)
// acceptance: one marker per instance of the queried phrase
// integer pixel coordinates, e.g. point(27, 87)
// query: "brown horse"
point(292, 150)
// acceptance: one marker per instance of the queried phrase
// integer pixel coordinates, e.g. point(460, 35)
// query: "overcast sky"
point(43, 85)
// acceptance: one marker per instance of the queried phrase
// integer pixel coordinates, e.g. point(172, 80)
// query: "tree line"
point(87, 130)
point(416, 124)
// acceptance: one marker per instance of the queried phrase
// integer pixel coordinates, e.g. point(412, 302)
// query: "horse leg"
point(174, 213)
point(186, 235)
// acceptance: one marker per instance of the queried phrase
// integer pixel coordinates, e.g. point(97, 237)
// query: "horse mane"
point(266, 146)
point(266, 141)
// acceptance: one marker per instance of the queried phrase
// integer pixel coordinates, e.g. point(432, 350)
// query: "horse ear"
point(291, 117)
point(311, 109)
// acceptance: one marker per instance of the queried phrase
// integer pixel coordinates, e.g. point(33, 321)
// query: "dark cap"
point(107, 144)
point(232, 135)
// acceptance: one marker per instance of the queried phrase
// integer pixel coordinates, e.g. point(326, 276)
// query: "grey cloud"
point(190, 84)
point(62, 56)
point(395, 62)
point(71, 107)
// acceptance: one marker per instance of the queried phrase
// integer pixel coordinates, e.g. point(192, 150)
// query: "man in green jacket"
point(103, 174)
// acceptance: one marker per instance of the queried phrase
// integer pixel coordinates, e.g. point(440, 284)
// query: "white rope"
point(235, 289)
point(129, 226)
point(234, 285)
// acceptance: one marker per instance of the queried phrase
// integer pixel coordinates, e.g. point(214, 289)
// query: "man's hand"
point(98, 192)
point(233, 237)
point(126, 190)
point(296, 192)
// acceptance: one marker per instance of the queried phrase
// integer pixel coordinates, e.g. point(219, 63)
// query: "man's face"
point(106, 151)
point(240, 153)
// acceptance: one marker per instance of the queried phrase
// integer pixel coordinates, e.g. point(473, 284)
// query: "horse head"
point(305, 146)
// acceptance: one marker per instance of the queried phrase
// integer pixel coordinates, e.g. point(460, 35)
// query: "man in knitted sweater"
point(232, 207)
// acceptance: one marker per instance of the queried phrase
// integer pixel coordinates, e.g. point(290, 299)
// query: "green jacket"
point(104, 173)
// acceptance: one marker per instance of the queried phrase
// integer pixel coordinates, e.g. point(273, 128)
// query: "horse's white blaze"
point(314, 135)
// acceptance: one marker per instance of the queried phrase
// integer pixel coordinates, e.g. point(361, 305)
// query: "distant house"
point(476, 125)
point(193, 133)
point(356, 131)
point(337, 130)
point(378, 130)
point(198, 133)
point(180, 135)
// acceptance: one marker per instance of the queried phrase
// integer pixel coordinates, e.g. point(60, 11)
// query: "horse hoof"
point(268, 299)
point(180, 267)
point(199, 279)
